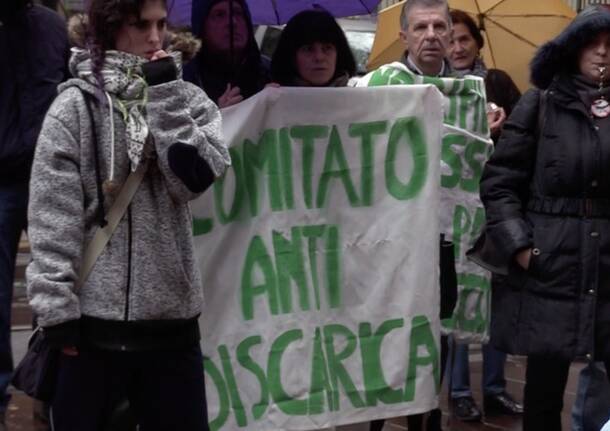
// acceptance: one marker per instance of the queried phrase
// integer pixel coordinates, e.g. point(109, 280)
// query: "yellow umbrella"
point(512, 30)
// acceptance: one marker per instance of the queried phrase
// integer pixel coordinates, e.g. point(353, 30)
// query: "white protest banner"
point(466, 148)
point(319, 254)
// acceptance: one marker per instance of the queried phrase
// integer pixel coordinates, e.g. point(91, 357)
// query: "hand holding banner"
point(319, 251)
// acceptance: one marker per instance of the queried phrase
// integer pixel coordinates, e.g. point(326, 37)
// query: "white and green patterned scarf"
point(124, 83)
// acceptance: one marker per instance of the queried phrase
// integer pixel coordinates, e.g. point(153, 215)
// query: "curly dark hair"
point(305, 28)
point(107, 16)
point(105, 20)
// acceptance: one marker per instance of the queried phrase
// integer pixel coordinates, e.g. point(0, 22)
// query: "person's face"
point(316, 62)
point(143, 35)
point(217, 28)
point(463, 49)
point(427, 36)
point(594, 56)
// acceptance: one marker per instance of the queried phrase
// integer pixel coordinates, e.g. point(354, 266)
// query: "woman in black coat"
point(546, 191)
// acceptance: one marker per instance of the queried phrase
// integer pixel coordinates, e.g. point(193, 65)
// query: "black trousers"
point(165, 389)
point(545, 383)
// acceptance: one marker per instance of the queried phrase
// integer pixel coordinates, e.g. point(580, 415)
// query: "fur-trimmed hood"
point(181, 41)
point(560, 55)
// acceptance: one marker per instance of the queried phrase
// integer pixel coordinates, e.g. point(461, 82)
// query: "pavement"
point(19, 414)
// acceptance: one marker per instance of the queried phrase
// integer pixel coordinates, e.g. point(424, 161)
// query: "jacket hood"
point(201, 10)
point(182, 41)
point(212, 71)
point(560, 55)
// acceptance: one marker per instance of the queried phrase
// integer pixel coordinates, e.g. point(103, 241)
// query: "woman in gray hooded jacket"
point(130, 329)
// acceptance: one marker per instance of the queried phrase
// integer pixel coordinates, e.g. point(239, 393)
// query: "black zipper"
point(129, 239)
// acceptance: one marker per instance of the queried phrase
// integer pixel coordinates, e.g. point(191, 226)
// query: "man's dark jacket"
point(34, 49)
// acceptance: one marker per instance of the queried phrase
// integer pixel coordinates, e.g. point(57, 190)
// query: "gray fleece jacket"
point(147, 272)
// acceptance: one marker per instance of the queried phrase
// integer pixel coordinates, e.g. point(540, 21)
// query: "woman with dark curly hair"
point(546, 191)
point(312, 52)
point(128, 327)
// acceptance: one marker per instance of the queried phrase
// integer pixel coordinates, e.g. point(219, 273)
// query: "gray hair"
point(410, 4)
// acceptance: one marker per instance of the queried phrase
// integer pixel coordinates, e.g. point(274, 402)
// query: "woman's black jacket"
point(547, 186)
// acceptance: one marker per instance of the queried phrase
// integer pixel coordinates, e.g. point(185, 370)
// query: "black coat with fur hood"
point(547, 187)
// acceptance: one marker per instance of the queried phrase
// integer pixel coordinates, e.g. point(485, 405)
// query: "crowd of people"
point(120, 109)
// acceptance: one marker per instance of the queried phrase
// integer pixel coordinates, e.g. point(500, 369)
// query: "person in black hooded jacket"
point(34, 50)
point(313, 52)
point(228, 73)
point(546, 191)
